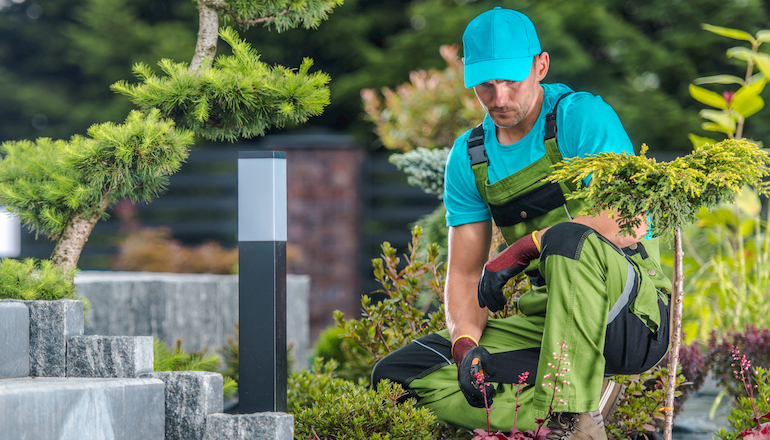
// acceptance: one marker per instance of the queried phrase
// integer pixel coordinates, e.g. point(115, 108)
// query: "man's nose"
point(501, 95)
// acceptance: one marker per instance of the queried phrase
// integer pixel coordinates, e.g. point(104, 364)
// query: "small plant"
point(755, 406)
point(179, 360)
point(35, 280)
point(752, 341)
point(733, 107)
point(552, 380)
point(230, 355)
point(353, 362)
point(640, 413)
point(330, 408)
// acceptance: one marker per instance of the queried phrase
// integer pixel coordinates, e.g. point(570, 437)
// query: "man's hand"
point(504, 266)
point(471, 360)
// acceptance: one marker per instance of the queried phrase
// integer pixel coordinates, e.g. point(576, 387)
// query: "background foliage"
point(639, 56)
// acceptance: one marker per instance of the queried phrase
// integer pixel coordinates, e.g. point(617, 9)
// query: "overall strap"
point(476, 150)
point(550, 118)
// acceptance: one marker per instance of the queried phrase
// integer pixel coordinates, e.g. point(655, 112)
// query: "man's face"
point(508, 102)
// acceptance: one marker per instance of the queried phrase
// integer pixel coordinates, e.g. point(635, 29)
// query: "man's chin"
point(504, 122)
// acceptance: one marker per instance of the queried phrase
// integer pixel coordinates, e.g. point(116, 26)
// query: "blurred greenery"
point(61, 56)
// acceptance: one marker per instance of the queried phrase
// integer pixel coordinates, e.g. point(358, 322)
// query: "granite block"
point(109, 356)
point(50, 324)
point(190, 397)
point(199, 309)
point(14, 340)
point(258, 426)
point(81, 409)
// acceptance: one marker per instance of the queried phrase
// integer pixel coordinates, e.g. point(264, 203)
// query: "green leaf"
point(740, 52)
point(747, 105)
point(721, 118)
point(763, 36)
point(746, 100)
point(710, 126)
point(762, 60)
point(720, 79)
point(728, 32)
point(699, 141)
point(748, 201)
point(708, 97)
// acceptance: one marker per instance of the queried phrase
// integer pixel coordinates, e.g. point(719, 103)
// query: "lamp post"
point(262, 225)
point(10, 235)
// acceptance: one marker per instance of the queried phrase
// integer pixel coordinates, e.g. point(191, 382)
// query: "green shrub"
point(752, 341)
point(334, 408)
point(35, 280)
point(639, 412)
point(230, 355)
point(353, 362)
point(742, 418)
point(179, 360)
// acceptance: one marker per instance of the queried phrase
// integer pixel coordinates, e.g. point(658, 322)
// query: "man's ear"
point(542, 62)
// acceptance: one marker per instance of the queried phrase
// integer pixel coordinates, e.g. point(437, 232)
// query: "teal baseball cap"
point(499, 44)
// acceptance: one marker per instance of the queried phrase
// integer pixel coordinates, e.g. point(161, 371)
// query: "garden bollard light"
point(262, 225)
point(10, 234)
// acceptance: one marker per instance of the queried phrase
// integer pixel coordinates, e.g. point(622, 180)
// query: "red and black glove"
point(472, 359)
point(504, 266)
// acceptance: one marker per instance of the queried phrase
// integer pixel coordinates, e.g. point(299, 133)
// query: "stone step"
point(82, 409)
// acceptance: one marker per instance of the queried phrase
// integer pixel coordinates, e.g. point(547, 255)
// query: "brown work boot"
point(612, 392)
point(571, 426)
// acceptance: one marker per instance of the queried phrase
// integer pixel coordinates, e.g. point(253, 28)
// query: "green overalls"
point(599, 300)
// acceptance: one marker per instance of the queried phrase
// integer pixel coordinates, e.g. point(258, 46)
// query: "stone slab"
point(199, 309)
point(190, 397)
point(81, 409)
point(109, 356)
point(258, 426)
point(50, 324)
point(14, 340)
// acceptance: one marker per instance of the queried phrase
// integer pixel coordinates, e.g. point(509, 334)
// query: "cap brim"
point(509, 69)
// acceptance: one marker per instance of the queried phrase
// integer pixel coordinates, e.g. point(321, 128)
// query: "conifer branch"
point(254, 20)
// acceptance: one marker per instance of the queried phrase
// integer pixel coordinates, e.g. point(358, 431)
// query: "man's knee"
point(384, 369)
point(413, 360)
point(565, 239)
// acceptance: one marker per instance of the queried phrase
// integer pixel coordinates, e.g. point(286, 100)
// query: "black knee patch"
point(415, 360)
point(565, 239)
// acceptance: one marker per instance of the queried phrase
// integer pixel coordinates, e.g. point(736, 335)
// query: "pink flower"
point(728, 96)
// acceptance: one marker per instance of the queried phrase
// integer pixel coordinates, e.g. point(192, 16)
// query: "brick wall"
point(324, 216)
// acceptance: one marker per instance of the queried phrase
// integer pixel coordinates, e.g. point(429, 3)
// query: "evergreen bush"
point(333, 408)
point(29, 279)
point(179, 360)
point(237, 97)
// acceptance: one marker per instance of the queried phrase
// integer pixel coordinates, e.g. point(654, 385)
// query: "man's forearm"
point(463, 314)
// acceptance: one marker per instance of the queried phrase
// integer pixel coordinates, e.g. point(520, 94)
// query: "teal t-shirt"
point(586, 125)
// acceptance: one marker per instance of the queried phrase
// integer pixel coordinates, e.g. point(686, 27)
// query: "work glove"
point(504, 266)
point(472, 359)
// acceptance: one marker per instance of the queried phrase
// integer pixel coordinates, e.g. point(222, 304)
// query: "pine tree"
point(229, 97)
point(62, 188)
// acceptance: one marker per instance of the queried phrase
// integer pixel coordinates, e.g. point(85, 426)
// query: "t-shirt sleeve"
point(461, 197)
point(591, 126)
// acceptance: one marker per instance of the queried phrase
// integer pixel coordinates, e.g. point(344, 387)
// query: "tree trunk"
point(208, 33)
point(676, 333)
point(67, 251)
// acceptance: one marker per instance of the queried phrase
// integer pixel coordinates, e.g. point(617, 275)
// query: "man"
point(600, 294)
